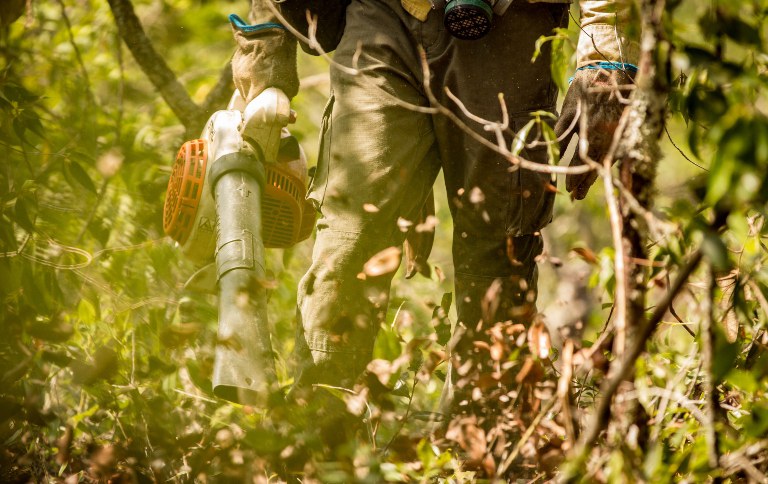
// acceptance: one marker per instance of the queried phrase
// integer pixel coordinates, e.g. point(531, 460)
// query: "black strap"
point(237, 162)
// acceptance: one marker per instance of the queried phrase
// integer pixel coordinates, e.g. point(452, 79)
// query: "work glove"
point(265, 57)
point(600, 93)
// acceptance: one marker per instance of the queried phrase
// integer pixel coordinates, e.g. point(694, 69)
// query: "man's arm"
point(606, 55)
point(608, 32)
point(265, 55)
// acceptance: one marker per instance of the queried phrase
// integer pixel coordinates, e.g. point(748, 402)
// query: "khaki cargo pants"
point(379, 150)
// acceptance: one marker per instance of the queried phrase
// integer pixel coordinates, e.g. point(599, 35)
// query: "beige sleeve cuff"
point(609, 32)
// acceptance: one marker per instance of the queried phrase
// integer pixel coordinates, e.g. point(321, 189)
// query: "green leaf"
point(81, 176)
point(86, 312)
point(445, 301)
point(725, 356)
point(716, 251)
point(519, 142)
point(757, 425)
point(738, 29)
point(553, 147)
point(401, 388)
point(719, 182)
point(77, 418)
point(742, 380)
point(442, 325)
point(22, 213)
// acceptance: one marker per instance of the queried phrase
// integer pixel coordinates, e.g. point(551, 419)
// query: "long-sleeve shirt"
point(607, 33)
point(606, 28)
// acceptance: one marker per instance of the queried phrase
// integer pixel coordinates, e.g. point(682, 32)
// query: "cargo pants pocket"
point(536, 190)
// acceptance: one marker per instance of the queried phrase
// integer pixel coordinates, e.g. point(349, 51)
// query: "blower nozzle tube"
point(244, 371)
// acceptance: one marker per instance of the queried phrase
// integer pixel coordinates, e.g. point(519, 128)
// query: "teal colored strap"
point(606, 66)
point(240, 25)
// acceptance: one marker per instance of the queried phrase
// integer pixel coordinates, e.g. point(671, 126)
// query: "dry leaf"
point(428, 225)
point(731, 320)
point(385, 262)
point(404, 224)
point(585, 254)
point(382, 369)
point(481, 345)
point(564, 383)
point(469, 436)
point(439, 273)
point(476, 196)
point(525, 370)
point(491, 301)
point(539, 341)
point(357, 403)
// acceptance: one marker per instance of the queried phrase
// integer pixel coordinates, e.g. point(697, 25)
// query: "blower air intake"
point(185, 189)
point(286, 217)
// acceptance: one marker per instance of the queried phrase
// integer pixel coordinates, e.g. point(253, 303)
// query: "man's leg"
point(498, 209)
point(377, 164)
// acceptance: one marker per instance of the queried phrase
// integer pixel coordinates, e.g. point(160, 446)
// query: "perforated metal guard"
point(185, 189)
point(467, 22)
point(286, 217)
point(283, 209)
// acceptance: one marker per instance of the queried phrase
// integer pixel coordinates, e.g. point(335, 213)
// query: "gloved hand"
point(600, 93)
point(265, 57)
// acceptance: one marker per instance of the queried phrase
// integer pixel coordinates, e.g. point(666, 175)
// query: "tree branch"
point(154, 66)
point(221, 92)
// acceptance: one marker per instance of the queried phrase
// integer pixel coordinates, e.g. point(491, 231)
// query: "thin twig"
point(670, 395)
point(682, 323)
point(620, 371)
point(524, 438)
point(310, 40)
point(515, 160)
point(707, 356)
point(679, 150)
point(221, 92)
point(405, 417)
point(620, 272)
point(564, 392)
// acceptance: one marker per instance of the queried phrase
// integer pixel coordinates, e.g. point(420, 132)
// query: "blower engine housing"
point(189, 214)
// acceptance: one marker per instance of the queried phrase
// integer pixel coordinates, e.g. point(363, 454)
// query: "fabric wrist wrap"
point(243, 27)
point(606, 66)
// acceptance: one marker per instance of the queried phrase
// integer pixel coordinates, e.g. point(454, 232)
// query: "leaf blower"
point(233, 192)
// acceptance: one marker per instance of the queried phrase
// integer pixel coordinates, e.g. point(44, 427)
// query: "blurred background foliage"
point(105, 359)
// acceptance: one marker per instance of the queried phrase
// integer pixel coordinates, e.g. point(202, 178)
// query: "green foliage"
point(105, 363)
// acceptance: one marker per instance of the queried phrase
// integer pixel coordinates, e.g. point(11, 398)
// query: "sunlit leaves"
point(76, 172)
point(737, 174)
point(560, 49)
